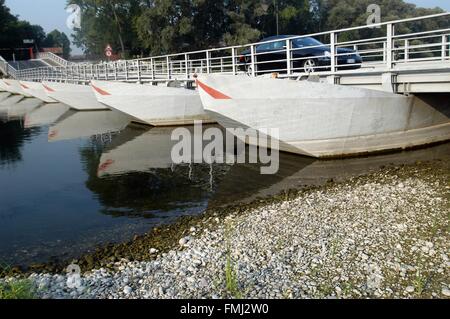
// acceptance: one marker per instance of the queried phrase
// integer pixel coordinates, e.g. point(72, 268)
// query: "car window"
point(264, 47)
point(279, 45)
point(306, 42)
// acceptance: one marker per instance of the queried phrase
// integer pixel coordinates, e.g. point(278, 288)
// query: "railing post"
point(152, 64)
point(169, 73)
point(208, 62)
point(406, 53)
point(126, 70)
point(233, 56)
point(186, 62)
point(253, 60)
point(333, 40)
point(444, 47)
point(106, 71)
point(139, 70)
point(288, 57)
point(390, 46)
point(115, 71)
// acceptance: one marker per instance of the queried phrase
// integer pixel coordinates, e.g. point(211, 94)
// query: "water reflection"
point(75, 124)
point(45, 115)
point(13, 136)
point(134, 175)
point(18, 110)
point(106, 181)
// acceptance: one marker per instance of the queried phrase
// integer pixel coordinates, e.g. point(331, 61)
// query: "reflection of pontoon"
point(11, 100)
point(139, 150)
point(74, 124)
point(154, 105)
point(36, 89)
point(297, 172)
point(45, 115)
point(78, 97)
point(20, 109)
point(4, 96)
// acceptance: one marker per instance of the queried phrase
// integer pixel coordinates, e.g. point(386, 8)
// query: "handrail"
point(382, 50)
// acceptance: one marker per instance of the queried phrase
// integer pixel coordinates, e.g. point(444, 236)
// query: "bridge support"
point(389, 82)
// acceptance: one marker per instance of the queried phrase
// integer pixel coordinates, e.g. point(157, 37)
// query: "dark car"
point(308, 55)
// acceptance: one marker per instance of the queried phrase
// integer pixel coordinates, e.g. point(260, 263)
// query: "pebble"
point(323, 242)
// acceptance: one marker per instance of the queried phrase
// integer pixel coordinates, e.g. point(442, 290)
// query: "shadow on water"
point(103, 181)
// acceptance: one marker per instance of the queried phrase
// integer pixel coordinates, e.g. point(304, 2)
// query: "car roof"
point(277, 37)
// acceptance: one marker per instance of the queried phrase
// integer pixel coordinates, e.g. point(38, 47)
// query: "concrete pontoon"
point(36, 89)
point(326, 120)
point(14, 87)
point(154, 105)
point(77, 96)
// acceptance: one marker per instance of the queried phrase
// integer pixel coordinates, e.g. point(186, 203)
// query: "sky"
point(54, 15)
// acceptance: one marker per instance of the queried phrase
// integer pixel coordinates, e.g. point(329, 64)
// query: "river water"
point(71, 181)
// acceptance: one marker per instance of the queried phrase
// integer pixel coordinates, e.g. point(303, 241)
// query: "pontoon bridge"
point(395, 61)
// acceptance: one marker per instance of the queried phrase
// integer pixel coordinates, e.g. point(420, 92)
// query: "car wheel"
point(309, 66)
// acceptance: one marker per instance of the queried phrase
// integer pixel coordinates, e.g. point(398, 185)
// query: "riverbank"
point(384, 235)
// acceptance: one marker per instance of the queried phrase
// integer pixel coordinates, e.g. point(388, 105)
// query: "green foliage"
point(13, 31)
point(58, 39)
point(18, 289)
point(231, 274)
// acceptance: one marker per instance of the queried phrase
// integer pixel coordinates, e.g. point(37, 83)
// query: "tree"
point(58, 39)
point(107, 22)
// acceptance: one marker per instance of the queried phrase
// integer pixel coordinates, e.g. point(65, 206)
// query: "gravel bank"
point(385, 235)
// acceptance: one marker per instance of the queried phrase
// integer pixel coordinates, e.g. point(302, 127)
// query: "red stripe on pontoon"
point(100, 91)
point(6, 83)
point(103, 167)
point(24, 86)
point(48, 88)
point(213, 92)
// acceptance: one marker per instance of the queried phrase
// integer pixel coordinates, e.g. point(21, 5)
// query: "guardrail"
point(360, 49)
point(53, 57)
point(7, 69)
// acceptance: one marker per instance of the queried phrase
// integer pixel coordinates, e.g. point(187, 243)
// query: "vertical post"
point(106, 71)
point(152, 64)
point(390, 46)
point(208, 61)
point(139, 70)
point(406, 53)
point(115, 70)
point(288, 57)
point(233, 57)
point(444, 47)
point(253, 58)
point(126, 70)
point(169, 73)
point(384, 52)
point(333, 40)
point(186, 61)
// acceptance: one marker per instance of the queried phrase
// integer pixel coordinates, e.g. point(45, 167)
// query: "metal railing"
point(53, 57)
point(375, 47)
